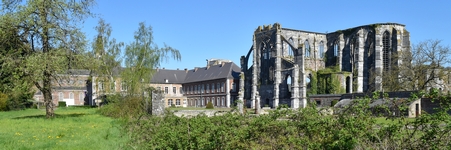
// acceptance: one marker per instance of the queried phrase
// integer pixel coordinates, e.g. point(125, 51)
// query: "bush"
point(210, 105)
point(3, 102)
point(332, 104)
point(125, 107)
point(172, 105)
point(62, 104)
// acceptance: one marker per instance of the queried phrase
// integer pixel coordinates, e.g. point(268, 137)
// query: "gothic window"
point(386, 50)
point(263, 50)
point(307, 48)
point(336, 48)
point(290, 50)
point(321, 49)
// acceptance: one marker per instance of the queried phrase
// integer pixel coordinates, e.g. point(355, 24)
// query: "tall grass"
point(72, 128)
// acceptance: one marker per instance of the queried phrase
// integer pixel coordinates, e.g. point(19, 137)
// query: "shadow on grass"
point(72, 115)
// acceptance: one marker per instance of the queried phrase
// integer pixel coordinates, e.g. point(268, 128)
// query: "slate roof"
point(173, 76)
point(227, 70)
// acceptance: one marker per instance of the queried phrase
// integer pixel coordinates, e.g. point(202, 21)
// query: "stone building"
point(279, 65)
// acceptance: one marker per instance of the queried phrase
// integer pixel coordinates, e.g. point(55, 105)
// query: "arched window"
point(289, 82)
point(218, 101)
point(321, 49)
point(60, 96)
point(336, 48)
point(223, 101)
point(307, 48)
point(263, 50)
point(290, 50)
point(386, 50)
point(71, 95)
point(81, 97)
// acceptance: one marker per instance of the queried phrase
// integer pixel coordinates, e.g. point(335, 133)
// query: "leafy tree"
point(107, 53)
point(142, 56)
point(420, 67)
point(51, 35)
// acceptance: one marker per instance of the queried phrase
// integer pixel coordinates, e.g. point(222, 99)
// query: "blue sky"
point(204, 29)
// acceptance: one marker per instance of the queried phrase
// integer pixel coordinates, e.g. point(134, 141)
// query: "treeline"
point(355, 127)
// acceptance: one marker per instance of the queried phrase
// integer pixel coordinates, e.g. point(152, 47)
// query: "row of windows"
point(307, 49)
point(174, 90)
point(208, 88)
point(216, 101)
point(101, 86)
point(81, 96)
point(177, 102)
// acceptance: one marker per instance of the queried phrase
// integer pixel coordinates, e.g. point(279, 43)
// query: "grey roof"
point(172, 76)
point(226, 70)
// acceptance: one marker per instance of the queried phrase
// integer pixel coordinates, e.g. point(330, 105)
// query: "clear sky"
point(204, 29)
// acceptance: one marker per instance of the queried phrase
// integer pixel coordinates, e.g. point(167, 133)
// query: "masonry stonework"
point(283, 60)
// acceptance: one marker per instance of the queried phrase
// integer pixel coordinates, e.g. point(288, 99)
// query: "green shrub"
point(62, 104)
point(172, 105)
point(3, 102)
point(332, 104)
point(125, 107)
point(210, 105)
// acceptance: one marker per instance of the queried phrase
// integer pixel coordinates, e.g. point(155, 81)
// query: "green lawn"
point(73, 128)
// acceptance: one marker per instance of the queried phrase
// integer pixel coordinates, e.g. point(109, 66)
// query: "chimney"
point(186, 70)
point(208, 67)
point(195, 69)
point(177, 68)
point(158, 69)
point(222, 64)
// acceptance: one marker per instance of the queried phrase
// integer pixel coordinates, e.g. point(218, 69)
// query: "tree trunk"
point(47, 95)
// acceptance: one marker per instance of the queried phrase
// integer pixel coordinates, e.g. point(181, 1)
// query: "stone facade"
point(283, 60)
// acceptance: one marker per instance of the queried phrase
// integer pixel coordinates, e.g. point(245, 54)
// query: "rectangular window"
point(217, 87)
point(166, 90)
point(202, 90)
point(212, 88)
point(181, 90)
point(177, 102)
point(169, 102)
point(60, 96)
point(222, 87)
point(208, 89)
point(174, 89)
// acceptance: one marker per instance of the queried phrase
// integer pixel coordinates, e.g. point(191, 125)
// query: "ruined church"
point(279, 66)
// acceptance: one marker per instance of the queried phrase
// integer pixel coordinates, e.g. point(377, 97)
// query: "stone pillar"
point(257, 103)
point(295, 87)
point(278, 66)
point(360, 63)
point(378, 60)
point(254, 72)
point(157, 103)
point(227, 93)
point(241, 94)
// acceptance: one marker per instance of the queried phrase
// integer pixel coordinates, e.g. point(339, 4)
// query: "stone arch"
point(369, 61)
point(348, 84)
point(248, 57)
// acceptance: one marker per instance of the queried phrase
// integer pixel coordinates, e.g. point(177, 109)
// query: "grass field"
point(73, 128)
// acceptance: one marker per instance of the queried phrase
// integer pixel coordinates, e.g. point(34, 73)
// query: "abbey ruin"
point(280, 65)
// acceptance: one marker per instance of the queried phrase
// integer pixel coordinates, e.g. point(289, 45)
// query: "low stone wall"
point(192, 113)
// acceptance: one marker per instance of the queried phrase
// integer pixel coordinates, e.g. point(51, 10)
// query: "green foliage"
point(313, 89)
point(352, 127)
point(173, 106)
point(62, 104)
point(72, 128)
point(328, 81)
point(125, 107)
point(3, 101)
point(332, 104)
point(210, 105)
